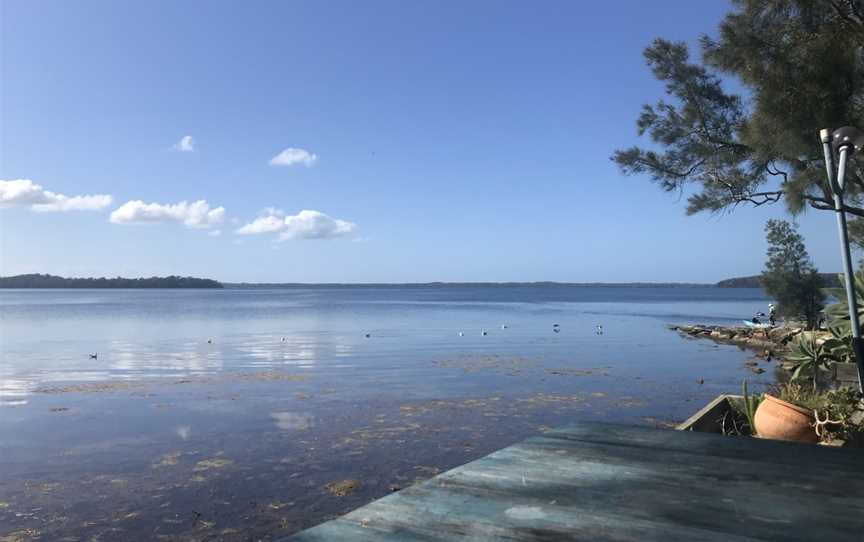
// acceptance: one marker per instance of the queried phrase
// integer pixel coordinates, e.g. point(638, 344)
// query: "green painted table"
point(595, 481)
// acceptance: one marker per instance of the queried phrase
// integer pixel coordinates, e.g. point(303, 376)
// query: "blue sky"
point(453, 141)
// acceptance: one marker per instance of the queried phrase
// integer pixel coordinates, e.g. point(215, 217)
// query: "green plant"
point(838, 312)
point(810, 356)
point(839, 346)
point(804, 397)
point(751, 403)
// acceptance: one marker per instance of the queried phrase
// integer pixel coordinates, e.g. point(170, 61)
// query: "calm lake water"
point(230, 414)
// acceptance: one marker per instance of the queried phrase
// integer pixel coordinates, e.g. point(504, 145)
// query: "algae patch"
point(343, 487)
point(215, 463)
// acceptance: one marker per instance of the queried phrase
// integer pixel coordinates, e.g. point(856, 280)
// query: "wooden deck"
point(609, 482)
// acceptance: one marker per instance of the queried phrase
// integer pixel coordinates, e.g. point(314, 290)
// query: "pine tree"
point(789, 276)
point(801, 64)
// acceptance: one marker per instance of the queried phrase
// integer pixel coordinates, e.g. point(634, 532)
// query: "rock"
point(857, 418)
point(783, 335)
point(759, 344)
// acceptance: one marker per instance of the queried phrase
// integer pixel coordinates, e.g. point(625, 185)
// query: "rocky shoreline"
point(765, 343)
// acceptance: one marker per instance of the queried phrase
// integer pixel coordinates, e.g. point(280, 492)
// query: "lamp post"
point(845, 141)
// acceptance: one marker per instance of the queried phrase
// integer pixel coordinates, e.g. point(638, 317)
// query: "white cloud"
point(304, 225)
point(214, 233)
point(25, 192)
point(75, 203)
point(186, 144)
point(315, 225)
point(263, 224)
point(197, 214)
point(292, 156)
point(271, 211)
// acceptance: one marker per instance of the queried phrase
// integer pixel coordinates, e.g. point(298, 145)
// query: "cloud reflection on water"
point(13, 391)
point(187, 358)
point(292, 421)
point(126, 360)
point(183, 432)
point(303, 350)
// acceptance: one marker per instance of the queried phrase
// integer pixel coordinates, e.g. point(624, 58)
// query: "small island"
point(37, 280)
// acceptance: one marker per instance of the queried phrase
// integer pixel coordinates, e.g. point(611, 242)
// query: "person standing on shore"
point(772, 312)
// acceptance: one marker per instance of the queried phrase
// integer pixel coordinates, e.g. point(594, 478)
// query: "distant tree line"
point(37, 280)
point(828, 280)
point(448, 285)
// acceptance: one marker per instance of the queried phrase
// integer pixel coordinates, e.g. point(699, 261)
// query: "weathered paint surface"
point(595, 481)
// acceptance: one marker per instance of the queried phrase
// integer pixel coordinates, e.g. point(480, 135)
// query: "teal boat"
point(750, 323)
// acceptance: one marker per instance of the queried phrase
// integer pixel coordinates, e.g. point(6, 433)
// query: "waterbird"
point(368, 335)
point(599, 329)
point(283, 339)
point(555, 325)
point(556, 330)
point(94, 356)
point(461, 334)
point(503, 326)
point(483, 332)
point(209, 341)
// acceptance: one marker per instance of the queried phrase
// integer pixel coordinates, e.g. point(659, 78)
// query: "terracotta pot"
point(777, 419)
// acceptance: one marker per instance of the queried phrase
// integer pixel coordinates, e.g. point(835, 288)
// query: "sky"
point(306, 141)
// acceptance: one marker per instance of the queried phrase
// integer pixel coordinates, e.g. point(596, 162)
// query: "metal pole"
point(837, 188)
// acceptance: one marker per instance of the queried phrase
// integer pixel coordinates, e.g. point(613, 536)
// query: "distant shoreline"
point(370, 285)
point(43, 281)
point(39, 281)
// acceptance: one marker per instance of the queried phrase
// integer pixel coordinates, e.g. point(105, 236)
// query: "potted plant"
point(788, 413)
point(782, 420)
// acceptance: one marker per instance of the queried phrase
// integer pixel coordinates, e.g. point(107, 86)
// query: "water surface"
point(226, 414)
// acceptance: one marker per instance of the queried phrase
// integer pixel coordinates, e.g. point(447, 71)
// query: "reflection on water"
point(14, 391)
point(302, 350)
point(131, 360)
point(183, 431)
point(166, 435)
point(292, 421)
point(30, 372)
